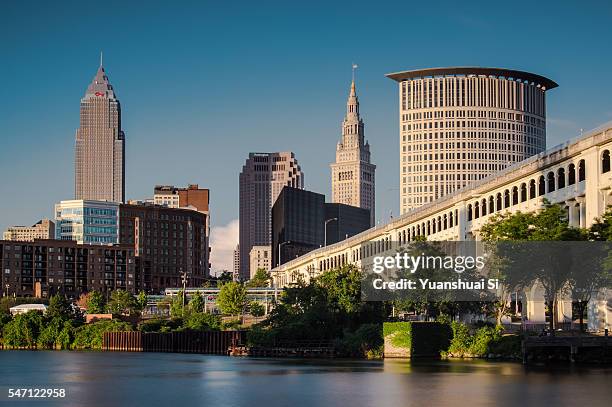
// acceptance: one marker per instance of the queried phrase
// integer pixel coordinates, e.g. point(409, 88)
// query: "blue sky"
point(204, 83)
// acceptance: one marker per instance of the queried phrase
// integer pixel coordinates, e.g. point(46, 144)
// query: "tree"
point(141, 301)
point(550, 265)
point(96, 303)
point(224, 277)
point(57, 333)
point(260, 279)
point(202, 322)
point(121, 303)
point(176, 306)
point(59, 307)
point(196, 303)
point(232, 298)
point(256, 309)
point(23, 330)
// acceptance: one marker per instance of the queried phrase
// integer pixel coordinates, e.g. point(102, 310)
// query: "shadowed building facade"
point(100, 144)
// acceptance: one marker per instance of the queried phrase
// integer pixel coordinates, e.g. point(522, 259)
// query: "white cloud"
point(223, 241)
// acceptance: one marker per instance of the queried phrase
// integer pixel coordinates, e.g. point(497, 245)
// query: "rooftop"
point(474, 71)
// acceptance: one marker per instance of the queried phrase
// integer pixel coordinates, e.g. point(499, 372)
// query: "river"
point(177, 380)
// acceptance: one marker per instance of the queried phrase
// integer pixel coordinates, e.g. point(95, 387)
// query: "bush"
point(90, 336)
point(231, 324)
point(257, 309)
point(461, 340)
point(259, 336)
point(160, 325)
point(366, 341)
point(483, 339)
point(202, 322)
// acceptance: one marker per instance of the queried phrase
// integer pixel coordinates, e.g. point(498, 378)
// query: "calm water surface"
point(176, 380)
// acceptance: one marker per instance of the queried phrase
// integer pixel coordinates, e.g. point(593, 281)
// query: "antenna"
point(355, 66)
point(101, 58)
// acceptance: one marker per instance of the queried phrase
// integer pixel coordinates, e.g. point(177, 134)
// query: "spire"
point(100, 85)
point(352, 104)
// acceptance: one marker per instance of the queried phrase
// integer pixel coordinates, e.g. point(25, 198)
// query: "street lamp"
point(6, 293)
point(326, 222)
point(279, 251)
point(184, 278)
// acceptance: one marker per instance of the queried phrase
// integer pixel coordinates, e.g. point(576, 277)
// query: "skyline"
point(190, 100)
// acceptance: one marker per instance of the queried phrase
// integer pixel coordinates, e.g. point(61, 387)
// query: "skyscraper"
point(262, 178)
point(353, 173)
point(100, 144)
point(459, 125)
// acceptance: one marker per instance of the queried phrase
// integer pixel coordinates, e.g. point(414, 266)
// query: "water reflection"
point(150, 379)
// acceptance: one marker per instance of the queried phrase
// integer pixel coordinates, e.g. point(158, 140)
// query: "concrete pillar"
point(461, 221)
point(573, 214)
point(564, 310)
point(582, 212)
point(599, 311)
point(593, 207)
point(536, 307)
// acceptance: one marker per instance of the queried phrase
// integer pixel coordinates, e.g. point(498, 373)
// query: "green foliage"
point(261, 278)
point(367, 341)
point(201, 321)
point(95, 303)
point(461, 341)
point(224, 277)
point(196, 303)
point(322, 309)
point(59, 307)
point(90, 336)
point(484, 341)
point(141, 301)
point(57, 333)
point(401, 331)
point(231, 324)
point(161, 325)
point(257, 309)
point(232, 298)
point(23, 330)
point(176, 305)
point(121, 303)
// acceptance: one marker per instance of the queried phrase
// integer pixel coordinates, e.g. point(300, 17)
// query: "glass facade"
point(94, 222)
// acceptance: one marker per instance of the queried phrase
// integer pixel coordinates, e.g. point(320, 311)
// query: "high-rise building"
point(262, 178)
point(459, 125)
point(260, 258)
point(47, 267)
point(236, 270)
point(100, 144)
point(95, 222)
point(353, 173)
point(349, 221)
point(43, 229)
point(302, 222)
point(166, 242)
point(298, 217)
